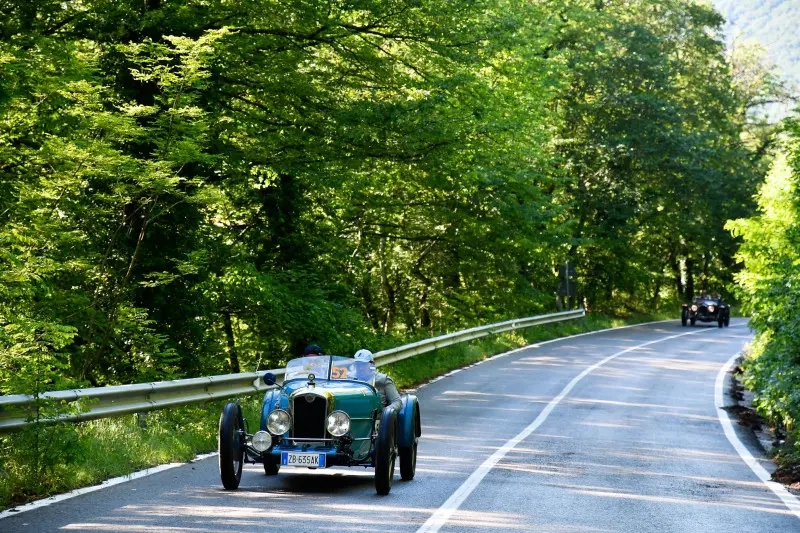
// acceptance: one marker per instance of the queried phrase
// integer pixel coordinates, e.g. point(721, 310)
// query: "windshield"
point(705, 300)
point(330, 367)
point(347, 368)
point(303, 366)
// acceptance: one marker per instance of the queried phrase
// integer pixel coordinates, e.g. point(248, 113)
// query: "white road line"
point(536, 345)
point(443, 514)
point(789, 499)
point(14, 511)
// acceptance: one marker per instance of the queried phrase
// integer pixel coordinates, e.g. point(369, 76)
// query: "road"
point(609, 432)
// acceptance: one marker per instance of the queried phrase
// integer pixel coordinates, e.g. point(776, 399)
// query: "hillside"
point(774, 23)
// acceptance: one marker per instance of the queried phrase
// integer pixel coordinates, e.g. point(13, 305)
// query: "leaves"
point(197, 187)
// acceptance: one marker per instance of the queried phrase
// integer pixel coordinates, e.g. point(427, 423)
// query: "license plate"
point(316, 460)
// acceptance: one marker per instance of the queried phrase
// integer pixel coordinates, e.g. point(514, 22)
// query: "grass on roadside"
point(47, 460)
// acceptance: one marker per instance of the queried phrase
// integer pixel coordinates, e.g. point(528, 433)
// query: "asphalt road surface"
point(609, 432)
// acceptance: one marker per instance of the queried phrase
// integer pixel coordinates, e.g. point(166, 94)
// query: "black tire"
point(684, 319)
point(231, 447)
point(727, 321)
point(385, 453)
point(692, 321)
point(408, 454)
point(271, 469)
point(721, 322)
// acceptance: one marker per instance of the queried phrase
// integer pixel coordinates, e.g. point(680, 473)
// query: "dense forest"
point(191, 187)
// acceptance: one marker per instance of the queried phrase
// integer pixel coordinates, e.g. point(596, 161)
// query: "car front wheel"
point(271, 469)
point(231, 450)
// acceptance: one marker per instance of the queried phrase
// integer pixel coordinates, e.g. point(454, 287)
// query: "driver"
point(313, 349)
point(383, 383)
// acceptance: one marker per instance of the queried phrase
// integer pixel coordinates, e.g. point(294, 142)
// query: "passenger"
point(383, 383)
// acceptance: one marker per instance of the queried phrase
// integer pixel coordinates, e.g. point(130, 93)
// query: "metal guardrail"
point(102, 402)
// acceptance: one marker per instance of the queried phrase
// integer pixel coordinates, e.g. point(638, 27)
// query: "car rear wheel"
point(408, 454)
point(692, 321)
point(385, 452)
point(231, 449)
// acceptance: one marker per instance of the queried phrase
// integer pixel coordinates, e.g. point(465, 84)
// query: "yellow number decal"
point(339, 372)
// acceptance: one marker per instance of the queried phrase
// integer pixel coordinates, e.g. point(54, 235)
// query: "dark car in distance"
point(706, 309)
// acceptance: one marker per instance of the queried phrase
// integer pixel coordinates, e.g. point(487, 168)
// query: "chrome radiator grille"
point(309, 412)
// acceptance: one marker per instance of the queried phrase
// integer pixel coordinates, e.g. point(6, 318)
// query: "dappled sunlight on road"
point(543, 360)
point(614, 493)
point(609, 425)
point(678, 364)
point(494, 521)
point(635, 446)
point(582, 401)
point(462, 393)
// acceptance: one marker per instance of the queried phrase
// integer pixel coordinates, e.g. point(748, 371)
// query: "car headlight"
point(261, 441)
point(711, 308)
point(279, 422)
point(338, 423)
point(694, 308)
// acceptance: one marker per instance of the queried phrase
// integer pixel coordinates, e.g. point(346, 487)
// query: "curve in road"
point(627, 439)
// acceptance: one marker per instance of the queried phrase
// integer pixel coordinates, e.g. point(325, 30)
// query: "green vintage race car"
point(326, 413)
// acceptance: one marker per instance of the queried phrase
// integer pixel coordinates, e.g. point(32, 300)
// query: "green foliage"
point(53, 459)
point(770, 288)
point(196, 187)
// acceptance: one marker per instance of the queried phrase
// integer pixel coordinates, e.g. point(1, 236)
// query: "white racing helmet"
point(364, 355)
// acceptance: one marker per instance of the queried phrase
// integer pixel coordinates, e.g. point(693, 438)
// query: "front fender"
point(271, 401)
point(408, 421)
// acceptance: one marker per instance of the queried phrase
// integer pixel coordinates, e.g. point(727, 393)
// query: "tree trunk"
point(424, 312)
point(689, 278)
point(233, 357)
point(282, 204)
point(656, 294)
point(676, 273)
point(389, 291)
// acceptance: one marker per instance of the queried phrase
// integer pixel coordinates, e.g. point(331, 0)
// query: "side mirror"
point(269, 379)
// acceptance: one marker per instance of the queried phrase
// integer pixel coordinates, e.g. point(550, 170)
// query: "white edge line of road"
point(536, 345)
point(789, 499)
point(441, 516)
point(14, 511)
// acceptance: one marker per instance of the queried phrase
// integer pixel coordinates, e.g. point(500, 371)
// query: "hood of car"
point(354, 398)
